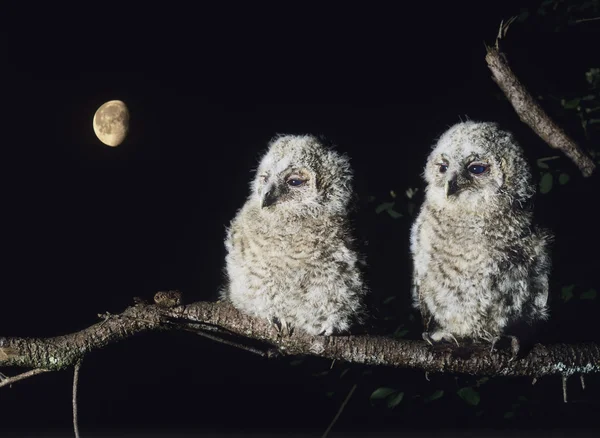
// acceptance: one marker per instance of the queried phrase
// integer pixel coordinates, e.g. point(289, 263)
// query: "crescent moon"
point(111, 122)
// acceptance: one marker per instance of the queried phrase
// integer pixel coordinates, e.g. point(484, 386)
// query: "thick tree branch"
point(65, 351)
point(530, 111)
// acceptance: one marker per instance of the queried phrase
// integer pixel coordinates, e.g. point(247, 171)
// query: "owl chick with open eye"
point(480, 270)
point(290, 256)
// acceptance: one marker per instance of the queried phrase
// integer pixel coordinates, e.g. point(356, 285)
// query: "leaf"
point(400, 333)
point(394, 401)
point(546, 183)
point(384, 206)
point(381, 393)
point(394, 213)
point(389, 299)
point(541, 164)
point(588, 295)
point(438, 394)
point(570, 104)
point(522, 398)
point(566, 292)
point(329, 394)
point(469, 395)
point(563, 178)
point(482, 381)
point(392, 194)
point(509, 415)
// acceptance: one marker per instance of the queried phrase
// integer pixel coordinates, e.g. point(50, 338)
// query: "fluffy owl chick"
point(480, 270)
point(290, 256)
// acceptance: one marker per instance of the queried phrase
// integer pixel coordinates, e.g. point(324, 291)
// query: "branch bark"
point(222, 318)
point(530, 111)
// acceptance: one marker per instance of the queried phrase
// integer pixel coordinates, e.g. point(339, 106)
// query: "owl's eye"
point(477, 169)
point(443, 167)
point(295, 182)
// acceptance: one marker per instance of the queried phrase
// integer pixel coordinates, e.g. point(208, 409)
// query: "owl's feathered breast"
point(466, 269)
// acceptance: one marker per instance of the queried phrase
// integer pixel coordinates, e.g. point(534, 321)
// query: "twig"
point(23, 376)
point(529, 110)
point(75, 384)
point(339, 412)
point(564, 387)
point(587, 19)
point(263, 353)
point(582, 380)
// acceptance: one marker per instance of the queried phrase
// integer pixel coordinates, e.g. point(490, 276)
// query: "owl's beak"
point(451, 186)
point(270, 197)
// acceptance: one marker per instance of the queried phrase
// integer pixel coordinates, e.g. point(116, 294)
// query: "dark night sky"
point(87, 227)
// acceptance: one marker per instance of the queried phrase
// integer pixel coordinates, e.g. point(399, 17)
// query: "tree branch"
point(529, 110)
point(65, 351)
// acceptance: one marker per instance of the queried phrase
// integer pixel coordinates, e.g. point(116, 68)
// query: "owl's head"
point(300, 176)
point(476, 164)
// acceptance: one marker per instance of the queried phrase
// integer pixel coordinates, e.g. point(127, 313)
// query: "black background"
point(87, 227)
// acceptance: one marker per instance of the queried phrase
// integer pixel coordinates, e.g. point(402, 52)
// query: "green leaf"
point(394, 401)
point(389, 299)
point(482, 381)
point(394, 213)
point(381, 393)
point(400, 333)
point(329, 394)
point(588, 295)
point(546, 183)
point(438, 394)
point(563, 178)
point(469, 395)
point(384, 206)
point(566, 292)
point(570, 104)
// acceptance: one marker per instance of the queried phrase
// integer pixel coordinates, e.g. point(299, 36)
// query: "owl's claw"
point(284, 329)
point(427, 338)
point(515, 345)
point(438, 337)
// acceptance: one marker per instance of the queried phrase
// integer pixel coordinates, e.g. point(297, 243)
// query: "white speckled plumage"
point(290, 256)
point(479, 266)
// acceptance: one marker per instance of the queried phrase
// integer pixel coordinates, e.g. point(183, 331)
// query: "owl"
point(480, 270)
point(291, 257)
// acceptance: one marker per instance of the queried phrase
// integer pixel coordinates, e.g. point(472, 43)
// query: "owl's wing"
point(419, 304)
point(540, 270)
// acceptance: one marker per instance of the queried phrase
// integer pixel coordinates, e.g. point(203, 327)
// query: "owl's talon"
point(515, 345)
point(454, 339)
point(426, 337)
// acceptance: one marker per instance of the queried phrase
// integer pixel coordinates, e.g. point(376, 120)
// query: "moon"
point(111, 122)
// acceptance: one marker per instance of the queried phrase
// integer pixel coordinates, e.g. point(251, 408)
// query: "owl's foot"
point(284, 329)
point(436, 337)
point(515, 345)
